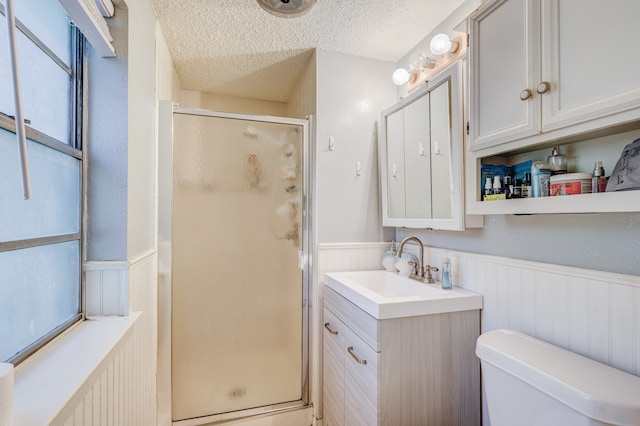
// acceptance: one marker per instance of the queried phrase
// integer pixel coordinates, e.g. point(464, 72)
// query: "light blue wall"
point(108, 147)
point(606, 242)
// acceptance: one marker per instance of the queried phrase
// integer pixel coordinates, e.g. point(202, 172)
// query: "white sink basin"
point(385, 295)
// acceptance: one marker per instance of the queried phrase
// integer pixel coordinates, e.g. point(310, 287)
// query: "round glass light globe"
point(400, 76)
point(440, 44)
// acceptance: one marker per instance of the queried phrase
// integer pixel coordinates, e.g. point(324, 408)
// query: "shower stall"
point(233, 244)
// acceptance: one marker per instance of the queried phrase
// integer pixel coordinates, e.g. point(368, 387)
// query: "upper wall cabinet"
point(549, 69)
point(421, 164)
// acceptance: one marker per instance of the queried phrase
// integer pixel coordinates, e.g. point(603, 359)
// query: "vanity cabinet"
point(549, 69)
point(399, 371)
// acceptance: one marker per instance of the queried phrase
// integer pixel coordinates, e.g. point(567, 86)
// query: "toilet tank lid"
point(594, 389)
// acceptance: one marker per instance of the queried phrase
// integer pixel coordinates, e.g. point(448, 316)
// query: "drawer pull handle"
point(331, 330)
point(356, 357)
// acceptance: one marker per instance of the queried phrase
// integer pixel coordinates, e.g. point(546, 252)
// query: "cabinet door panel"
point(441, 181)
point(361, 383)
point(587, 60)
point(395, 165)
point(333, 370)
point(504, 57)
point(417, 161)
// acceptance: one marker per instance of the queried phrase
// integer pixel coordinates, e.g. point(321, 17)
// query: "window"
point(40, 238)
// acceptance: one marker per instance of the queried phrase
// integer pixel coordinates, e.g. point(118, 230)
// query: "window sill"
point(48, 381)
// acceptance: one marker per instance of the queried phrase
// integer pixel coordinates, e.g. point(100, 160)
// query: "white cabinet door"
point(505, 70)
point(360, 381)
point(417, 153)
point(333, 370)
point(590, 60)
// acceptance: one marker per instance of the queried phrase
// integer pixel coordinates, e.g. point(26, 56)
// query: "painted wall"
point(302, 101)
point(122, 140)
point(141, 130)
point(210, 101)
point(351, 92)
point(107, 190)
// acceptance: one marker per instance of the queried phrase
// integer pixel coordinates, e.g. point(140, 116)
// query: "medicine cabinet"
point(421, 157)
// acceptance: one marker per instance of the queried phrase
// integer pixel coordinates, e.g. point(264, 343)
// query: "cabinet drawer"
point(363, 324)
point(333, 370)
point(361, 382)
point(333, 331)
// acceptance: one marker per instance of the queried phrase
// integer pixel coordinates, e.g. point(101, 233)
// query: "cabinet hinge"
point(467, 127)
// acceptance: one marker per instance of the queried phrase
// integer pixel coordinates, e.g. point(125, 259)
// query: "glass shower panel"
point(237, 292)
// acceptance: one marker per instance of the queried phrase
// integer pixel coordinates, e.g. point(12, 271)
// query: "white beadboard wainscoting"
point(103, 371)
point(593, 313)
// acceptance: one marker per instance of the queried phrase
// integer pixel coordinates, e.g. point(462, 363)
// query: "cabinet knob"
point(543, 87)
point(525, 95)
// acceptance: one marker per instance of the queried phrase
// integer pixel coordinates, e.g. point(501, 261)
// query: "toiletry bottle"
point(540, 174)
point(447, 283)
point(488, 189)
point(508, 187)
point(557, 162)
point(389, 258)
point(526, 186)
point(598, 181)
point(517, 189)
point(497, 186)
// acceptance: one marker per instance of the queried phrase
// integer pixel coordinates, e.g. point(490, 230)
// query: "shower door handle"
point(302, 260)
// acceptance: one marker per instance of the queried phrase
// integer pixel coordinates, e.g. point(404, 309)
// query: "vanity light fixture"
point(287, 8)
point(441, 44)
point(418, 61)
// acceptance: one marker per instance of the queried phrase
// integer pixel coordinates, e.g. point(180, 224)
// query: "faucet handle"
point(427, 273)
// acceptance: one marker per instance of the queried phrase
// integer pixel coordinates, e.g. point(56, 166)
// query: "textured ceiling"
point(234, 47)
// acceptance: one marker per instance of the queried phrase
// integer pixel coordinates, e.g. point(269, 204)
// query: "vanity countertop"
point(385, 295)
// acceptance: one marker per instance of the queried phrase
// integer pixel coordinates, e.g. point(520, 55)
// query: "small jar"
point(557, 162)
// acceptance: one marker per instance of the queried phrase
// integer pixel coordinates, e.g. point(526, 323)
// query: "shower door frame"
point(166, 113)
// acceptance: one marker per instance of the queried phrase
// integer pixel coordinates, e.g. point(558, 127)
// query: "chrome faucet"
point(419, 272)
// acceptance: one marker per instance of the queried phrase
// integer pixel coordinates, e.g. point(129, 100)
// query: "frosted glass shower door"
point(237, 289)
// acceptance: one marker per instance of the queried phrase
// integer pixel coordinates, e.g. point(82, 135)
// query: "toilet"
point(529, 382)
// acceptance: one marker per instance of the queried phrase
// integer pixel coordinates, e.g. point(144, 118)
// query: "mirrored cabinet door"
point(421, 156)
point(417, 159)
point(395, 165)
point(441, 164)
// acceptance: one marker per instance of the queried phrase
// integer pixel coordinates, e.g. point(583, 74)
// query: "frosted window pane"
point(48, 20)
point(45, 87)
point(39, 290)
point(55, 185)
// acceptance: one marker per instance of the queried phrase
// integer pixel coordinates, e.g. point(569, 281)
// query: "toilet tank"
point(529, 382)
